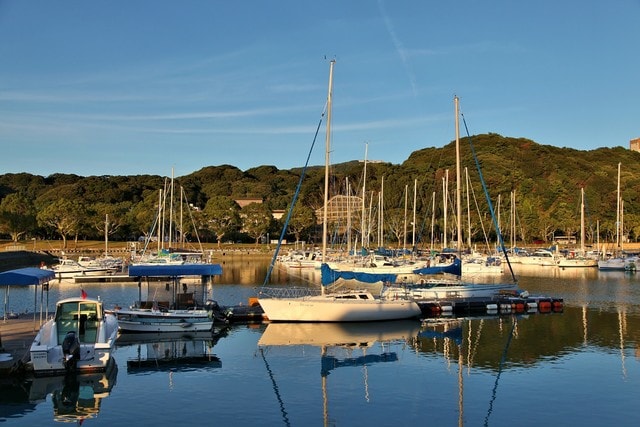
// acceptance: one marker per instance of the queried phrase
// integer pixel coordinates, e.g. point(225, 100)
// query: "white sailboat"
point(351, 306)
point(618, 261)
point(431, 287)
point(580, 259)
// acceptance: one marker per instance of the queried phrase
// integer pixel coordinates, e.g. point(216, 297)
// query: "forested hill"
point(546, 181)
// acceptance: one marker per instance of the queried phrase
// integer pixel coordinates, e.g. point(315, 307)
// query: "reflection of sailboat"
point(456, 336)
point(167, 351)
point(75, 397)
point(338, 334)
point(349, 336)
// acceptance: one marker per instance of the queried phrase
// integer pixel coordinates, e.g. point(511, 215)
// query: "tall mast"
point(326, 162)
point(171, 212)
point(413, 223)
point(458, 180)
point(618, 212)
point(364, 184)
point(582, 221)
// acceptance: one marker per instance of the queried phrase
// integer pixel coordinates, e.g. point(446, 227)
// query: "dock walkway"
point(16, 336)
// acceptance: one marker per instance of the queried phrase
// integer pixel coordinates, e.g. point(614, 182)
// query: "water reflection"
point(173, 352)
point(353, 345)
point(75, 398)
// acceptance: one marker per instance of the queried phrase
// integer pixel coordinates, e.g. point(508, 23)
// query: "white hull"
point(475, 268)
point(612, 264)
point(96, 332)
point(619, 264)
point(140, 320)
point(448, 289)
point(540, 261)
point(332, 308)
point(577, 263)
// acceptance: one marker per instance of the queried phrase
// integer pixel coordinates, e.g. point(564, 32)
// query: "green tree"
point(302, 219)
point(64, 216)
point(222, 216)
point(17, 215)
point(256, 220)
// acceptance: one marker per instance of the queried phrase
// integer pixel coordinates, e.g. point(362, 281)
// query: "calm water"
point(579, 367)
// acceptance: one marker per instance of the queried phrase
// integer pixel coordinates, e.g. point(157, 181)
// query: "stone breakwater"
point(20, 259)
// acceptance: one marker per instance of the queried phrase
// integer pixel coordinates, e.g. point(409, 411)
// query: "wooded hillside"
point(546, 182)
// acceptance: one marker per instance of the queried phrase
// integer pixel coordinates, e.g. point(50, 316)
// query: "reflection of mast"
point(325, 398)
point(460, 387)
point(622, 327)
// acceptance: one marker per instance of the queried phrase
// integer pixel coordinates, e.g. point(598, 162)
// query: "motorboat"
point(156, 319)
point(70, 269)
point(79, 338)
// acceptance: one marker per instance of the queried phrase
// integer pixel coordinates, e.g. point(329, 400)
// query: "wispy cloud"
point(402, 53)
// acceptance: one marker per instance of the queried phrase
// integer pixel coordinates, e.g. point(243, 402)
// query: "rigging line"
point(486, 193)
point(293, 202)
point(285, 418)
point(502, 360)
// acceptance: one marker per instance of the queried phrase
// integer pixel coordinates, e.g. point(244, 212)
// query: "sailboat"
point(579, 260)
point(351, 306)
point(433, 287)
point(619, 261)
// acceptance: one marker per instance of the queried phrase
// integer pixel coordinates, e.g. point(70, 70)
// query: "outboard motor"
point(71, 351)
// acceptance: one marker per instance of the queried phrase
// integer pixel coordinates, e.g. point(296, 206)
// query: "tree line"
point(535, 191)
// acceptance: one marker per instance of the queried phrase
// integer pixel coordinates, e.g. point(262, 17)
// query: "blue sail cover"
point(330, 275)
point(454, 268)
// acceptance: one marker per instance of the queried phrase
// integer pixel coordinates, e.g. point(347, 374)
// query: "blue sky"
point(143, 87)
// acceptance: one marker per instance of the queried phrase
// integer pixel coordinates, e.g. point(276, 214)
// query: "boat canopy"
point(454, 268)
point(330, 275)
point(26, 276)
point(175, 270)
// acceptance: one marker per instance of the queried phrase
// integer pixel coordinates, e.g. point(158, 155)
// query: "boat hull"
point(328, 309)
point(159, 321)
point(445, 290)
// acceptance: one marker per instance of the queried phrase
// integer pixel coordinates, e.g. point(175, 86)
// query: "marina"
point(475, 368)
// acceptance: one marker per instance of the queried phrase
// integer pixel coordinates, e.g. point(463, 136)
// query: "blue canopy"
point(26, 276)
point(175, 270)
point(329, 276)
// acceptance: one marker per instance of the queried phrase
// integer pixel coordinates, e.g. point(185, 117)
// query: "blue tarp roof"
point(175, 270)
point(26, 276)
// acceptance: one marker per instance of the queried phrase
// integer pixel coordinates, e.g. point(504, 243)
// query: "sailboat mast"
point(171, 212)
point(363, 227)
point(458, 180)
point(413, 223)
point(582, 222)
point(326, 162)
point(618, 212)
point(106, 235)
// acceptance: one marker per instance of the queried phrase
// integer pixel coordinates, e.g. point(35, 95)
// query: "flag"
point(83, 293)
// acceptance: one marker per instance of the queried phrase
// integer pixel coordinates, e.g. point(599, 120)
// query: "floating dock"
point(494, 305)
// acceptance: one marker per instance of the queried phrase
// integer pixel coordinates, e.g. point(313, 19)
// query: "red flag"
point(83, 293)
